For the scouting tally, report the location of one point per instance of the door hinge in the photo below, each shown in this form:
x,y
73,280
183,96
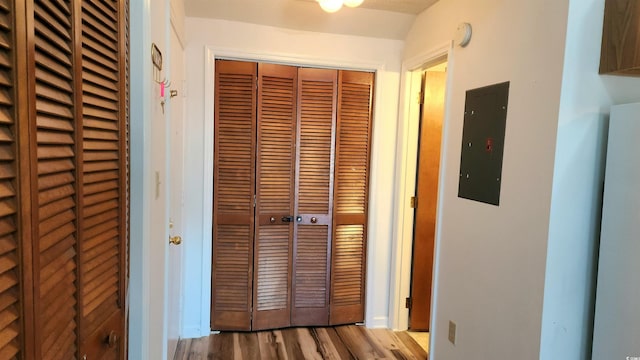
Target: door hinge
x,y
420,98
414,202
254,201
407,303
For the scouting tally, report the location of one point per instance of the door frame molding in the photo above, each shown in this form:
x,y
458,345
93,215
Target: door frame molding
x,y
210,55
405,180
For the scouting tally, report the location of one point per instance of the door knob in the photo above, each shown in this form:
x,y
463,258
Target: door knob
x,y
112,339
314,220
175,240
299,218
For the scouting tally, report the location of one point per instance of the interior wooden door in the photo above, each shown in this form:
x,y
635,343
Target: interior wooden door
x,y
14,295
432,115
351,197
79,176
102,178
63,178
317,98
54,161
234,190
275,176
300,258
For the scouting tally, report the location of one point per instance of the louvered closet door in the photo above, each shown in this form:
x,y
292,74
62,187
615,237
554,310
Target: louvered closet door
x,y
103,180
317,93
275,176
355,98
54,212
11,329
234,189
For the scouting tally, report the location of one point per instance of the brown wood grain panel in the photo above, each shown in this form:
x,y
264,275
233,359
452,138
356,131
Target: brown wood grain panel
x,y
233,199
102,52
317,104
427,195
16,336
620,50
275,177
55,254
351,188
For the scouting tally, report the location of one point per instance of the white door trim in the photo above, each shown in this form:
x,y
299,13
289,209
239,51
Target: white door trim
x,y
406,162
139,239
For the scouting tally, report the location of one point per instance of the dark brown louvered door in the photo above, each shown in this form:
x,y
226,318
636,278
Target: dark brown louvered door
x,y
317,92
11,319
275,175
73,219
233,202
351,190
102,179
53,183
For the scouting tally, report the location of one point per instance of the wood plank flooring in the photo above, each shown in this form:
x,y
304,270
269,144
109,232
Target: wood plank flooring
x,y
326,343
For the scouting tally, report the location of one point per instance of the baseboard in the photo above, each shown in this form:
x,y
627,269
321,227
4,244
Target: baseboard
x,y
190,332
378,322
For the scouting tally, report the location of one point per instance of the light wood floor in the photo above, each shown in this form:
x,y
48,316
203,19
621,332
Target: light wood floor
x,y
331,343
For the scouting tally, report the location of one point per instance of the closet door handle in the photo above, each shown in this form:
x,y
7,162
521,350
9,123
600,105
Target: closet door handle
x,y
287,218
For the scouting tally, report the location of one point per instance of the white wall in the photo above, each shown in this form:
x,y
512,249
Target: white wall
x,y
574,227
490,261
256,42
149,215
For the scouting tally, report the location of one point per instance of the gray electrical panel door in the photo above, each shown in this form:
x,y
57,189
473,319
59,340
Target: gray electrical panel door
x,y
485,116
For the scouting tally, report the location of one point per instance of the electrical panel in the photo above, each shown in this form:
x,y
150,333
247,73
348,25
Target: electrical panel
x,y
485,117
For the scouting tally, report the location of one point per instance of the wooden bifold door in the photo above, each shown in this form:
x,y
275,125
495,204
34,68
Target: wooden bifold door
x,y
63,178
291,173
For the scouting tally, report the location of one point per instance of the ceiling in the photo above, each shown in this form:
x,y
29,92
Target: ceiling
x,y
388,19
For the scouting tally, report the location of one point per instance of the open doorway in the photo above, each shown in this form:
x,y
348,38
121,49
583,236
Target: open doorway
x,y
428,108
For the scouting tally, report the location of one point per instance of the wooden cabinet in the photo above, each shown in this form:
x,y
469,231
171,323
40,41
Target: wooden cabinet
x,y
291,173
620,52
63,179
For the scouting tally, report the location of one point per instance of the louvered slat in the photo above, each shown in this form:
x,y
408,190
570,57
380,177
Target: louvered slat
x,y
275,177
56,237
348,260
355,95
273,287
102,168
311,267
10,326
234,174
317,92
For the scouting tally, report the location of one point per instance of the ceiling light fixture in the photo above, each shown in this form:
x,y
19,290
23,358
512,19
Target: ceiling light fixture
x,y
332,6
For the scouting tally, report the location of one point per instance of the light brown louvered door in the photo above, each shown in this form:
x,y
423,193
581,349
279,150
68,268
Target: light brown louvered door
x,y
53,183
313,196
279,270
351,195
234,189
62,286
275,175
12,328
102,179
